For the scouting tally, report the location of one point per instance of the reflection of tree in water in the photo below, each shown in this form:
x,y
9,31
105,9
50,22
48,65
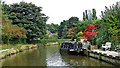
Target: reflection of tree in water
x,y
31,57
76,60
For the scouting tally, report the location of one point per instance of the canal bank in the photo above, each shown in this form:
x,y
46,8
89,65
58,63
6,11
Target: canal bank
x,y
111,57
8,52
49,56
106,56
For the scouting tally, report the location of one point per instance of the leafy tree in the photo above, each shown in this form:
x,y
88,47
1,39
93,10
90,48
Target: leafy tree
x,y
109,26
112,17
82,25
28,16
72,32
65,25
61,28
73,21
84,16
5,7
10,31
94,17
64,32
0,24
87,15
53,28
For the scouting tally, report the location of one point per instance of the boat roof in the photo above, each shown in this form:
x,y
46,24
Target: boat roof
x,y
72,42
68,43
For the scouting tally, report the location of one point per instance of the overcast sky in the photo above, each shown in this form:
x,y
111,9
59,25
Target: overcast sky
x,y
59,10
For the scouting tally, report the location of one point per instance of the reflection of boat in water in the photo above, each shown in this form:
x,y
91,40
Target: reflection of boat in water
x,y
79,60
71,47
74,60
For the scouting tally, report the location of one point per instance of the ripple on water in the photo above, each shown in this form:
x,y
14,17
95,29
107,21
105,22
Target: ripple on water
x,y
55,61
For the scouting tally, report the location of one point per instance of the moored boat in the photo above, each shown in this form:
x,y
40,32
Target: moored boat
x,y
71,47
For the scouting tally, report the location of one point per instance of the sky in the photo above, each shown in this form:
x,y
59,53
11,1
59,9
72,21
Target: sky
x,y
59,10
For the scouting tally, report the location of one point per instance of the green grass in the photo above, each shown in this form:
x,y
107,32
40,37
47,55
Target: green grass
x,y
16,46
6,46
43,42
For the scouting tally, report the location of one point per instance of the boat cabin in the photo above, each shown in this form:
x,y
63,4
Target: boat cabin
x,y
71,47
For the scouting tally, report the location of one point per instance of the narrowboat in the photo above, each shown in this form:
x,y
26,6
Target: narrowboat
x,y
71,47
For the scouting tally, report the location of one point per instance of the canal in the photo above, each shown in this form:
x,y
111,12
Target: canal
x,y
49,56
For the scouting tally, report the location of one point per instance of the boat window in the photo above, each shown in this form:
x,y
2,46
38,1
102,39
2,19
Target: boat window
x,y
79,45
71,46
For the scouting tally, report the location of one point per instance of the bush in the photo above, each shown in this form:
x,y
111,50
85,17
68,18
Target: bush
x,y
61,40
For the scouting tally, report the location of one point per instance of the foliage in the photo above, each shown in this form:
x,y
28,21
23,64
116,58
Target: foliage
x,y
79,34
61,40
73,21
28,16
87,15
47,41
78,38
94,17
72,32
82,25
53,28
99,56
84,16
10,31
65,25
89,33
109,26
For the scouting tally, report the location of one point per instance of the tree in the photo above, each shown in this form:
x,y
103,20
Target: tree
x,y
5,7
94,17
64,32
53,28
109,29
72,32
84,16
28,16
82,25
61,28
65,25
87,15
73,21
10,31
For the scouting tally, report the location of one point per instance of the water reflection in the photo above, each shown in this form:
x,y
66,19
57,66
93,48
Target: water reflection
x,y
32,57
54,58
82,61
49,56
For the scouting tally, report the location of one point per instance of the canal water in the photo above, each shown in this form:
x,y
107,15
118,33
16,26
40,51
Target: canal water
x,y
49,56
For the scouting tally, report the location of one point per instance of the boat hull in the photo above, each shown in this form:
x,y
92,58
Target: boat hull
x,y
71,51
71,48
